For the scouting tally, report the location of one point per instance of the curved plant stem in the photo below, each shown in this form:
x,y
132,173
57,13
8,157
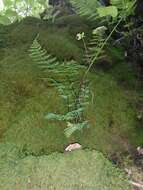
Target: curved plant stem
x,y
99,51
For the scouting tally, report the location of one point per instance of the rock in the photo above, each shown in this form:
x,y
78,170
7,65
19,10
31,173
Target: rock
x,y
140,150
72,147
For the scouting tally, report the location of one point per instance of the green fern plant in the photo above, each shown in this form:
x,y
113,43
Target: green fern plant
x,y
87,8
76,98
49,63
96,43
118,12
65,78
93,9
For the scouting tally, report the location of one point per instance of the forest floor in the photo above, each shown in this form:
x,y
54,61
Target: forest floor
x,y
114,115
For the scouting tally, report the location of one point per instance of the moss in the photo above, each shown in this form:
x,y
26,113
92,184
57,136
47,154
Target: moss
x,y
76,170
112,116
31,131
58,41
60,45
25,99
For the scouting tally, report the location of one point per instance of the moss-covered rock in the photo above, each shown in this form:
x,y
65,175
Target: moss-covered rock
x,y
25,99
59,41
79,170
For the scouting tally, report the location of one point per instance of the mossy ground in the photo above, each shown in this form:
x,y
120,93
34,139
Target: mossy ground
x,y
27,139
86,170
25,99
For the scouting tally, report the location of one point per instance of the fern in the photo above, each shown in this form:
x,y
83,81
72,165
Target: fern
x,y
65,117
72,127
96,43
48,63
116,11
125,7
65,78
91,9
87,8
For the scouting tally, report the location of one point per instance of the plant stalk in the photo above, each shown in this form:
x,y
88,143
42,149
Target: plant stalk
x,y
99,51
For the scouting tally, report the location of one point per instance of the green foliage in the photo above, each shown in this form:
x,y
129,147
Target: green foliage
x,y
93,10
16,9
73,97
67,117
4,20
107,11
72,127
49,64
77,170
96,43
58,41
25,99
102,14
87,8
125,7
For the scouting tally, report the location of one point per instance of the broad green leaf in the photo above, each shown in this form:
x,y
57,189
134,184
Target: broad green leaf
x,y
125,7
4,20
107,11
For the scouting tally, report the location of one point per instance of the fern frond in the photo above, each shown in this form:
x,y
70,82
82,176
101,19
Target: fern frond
x,y
94,10
87,8
47,62
83,97
66,117
40,56
124,6
96,44
72,127
65,78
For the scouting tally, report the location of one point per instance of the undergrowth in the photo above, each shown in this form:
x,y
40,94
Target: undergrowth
x,y
25,100
77,170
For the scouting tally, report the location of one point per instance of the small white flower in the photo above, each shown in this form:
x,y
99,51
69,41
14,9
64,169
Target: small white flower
x,y
80,36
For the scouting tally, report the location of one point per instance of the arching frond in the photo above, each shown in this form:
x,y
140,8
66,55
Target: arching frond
x,y
94,48
65,77
47,62
72,127
87,8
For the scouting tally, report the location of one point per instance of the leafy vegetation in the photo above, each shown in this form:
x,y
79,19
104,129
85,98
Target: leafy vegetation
x,y
73,91
14,10
68,78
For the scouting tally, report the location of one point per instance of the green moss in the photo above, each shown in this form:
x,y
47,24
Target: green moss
x,y
125,74
59,41
75,171
32,132
112,114
25,99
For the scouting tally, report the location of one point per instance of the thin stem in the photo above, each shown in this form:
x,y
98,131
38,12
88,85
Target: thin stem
x,y
86,49
99,51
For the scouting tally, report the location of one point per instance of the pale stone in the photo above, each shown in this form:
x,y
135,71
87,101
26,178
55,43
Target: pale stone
x,y
140,150
72,147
